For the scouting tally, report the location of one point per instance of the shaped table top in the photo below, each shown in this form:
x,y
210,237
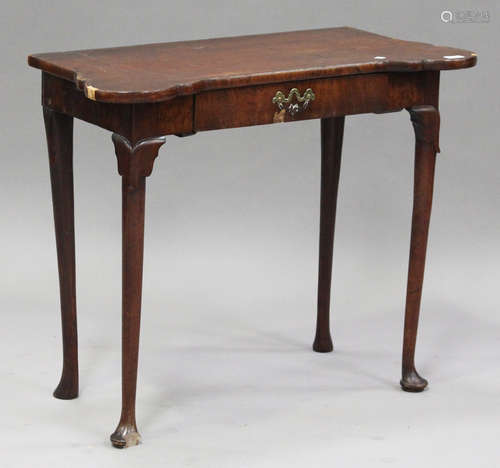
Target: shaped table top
x,y
157,72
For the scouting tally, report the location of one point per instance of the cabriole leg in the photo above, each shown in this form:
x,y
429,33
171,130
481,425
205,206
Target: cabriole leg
x,y
135,163
332,132
59,131
425,120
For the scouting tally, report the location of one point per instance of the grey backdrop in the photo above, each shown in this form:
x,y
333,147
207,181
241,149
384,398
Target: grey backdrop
x,y
227,377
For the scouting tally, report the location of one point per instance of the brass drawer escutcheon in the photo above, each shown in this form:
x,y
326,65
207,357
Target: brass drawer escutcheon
x,y
287,103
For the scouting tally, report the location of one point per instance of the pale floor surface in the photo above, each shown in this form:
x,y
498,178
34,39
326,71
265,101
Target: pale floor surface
x,y
236,392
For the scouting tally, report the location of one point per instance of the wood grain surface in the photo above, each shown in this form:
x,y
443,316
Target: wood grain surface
x,y
156,72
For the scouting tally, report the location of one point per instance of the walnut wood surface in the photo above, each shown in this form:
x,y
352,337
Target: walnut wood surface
x,y
156,72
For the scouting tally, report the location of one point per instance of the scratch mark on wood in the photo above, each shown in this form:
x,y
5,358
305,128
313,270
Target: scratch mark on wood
x,y
279,117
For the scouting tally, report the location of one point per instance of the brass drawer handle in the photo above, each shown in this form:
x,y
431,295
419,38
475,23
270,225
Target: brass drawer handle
x,y
293,108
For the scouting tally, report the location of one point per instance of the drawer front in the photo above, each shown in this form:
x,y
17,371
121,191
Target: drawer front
x,y
345,95
253,105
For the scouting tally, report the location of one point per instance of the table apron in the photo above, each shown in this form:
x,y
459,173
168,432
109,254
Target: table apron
x,y
245,106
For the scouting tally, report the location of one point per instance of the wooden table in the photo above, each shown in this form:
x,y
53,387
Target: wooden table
x,y
143,93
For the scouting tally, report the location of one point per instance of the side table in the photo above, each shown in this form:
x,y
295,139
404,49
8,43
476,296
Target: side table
x,y
146,92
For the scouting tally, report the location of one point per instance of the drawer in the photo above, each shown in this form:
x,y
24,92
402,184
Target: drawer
x,y
345,95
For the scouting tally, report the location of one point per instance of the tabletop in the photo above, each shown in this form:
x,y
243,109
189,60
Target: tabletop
x,y
158,72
